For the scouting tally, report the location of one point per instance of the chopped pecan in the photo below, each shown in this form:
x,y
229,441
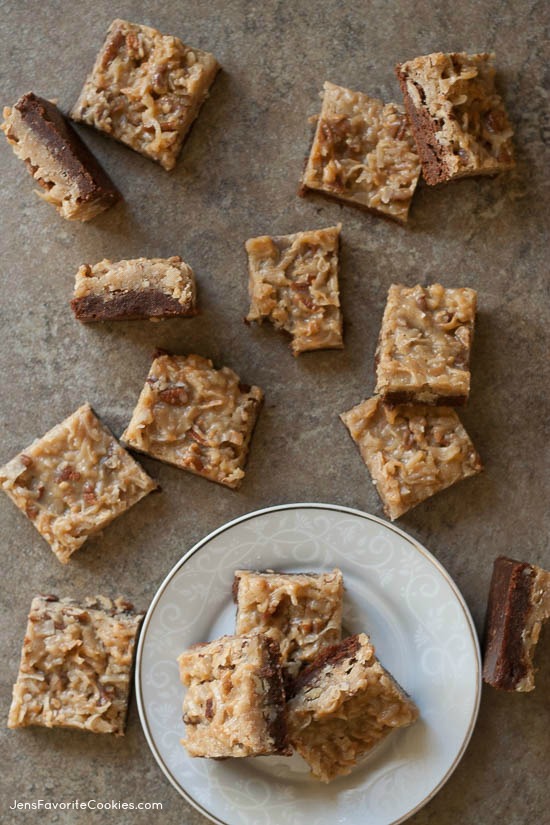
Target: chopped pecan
x,y
26,460
88,494
176,396
68,473
197,436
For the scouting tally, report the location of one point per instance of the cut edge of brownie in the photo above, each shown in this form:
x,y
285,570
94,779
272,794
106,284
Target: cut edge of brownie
x,y
275,699
46,121
131,305
396,399
505,664
430,151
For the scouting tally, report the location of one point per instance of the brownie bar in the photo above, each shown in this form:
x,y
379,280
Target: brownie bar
x,y
425,343
302,612
293,282
363,153
74,481
195,417
57,159
235,704
76,665
146,90
342,705
457,117
130,289
519,602
411,451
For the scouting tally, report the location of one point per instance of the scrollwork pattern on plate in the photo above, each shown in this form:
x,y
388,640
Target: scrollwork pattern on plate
x,y
395,590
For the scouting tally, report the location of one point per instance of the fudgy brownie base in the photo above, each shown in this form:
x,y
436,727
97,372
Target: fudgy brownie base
x,y
519,602
143,288
57,159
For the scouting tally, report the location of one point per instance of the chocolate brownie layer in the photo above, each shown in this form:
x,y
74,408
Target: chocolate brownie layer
x,y
130,305
519,601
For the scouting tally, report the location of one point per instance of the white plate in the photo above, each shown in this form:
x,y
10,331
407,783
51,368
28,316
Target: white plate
x,y
395,591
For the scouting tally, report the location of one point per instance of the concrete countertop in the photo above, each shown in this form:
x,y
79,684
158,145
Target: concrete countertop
x,y
237,177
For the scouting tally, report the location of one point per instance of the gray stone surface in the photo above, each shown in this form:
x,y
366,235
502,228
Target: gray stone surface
x,y
237,177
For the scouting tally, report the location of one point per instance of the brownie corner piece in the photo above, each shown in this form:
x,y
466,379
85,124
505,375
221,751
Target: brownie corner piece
x,y
458,119
142,288
74,481
58,160
302,612
234,704
424,347
145,90
412,451
76,665
518,605
195,417
293,283
363,153
342,705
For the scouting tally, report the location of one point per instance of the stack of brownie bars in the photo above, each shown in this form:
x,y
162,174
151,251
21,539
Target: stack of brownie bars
x,y
287,680
146,90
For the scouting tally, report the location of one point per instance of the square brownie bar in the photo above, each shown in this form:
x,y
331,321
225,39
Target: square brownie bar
x,y
423,353
74,481
456,115
363,153
519,603
342,705
139,288
72,179
235,704
411,451
145,90
302,612
293,282
76,665
195,417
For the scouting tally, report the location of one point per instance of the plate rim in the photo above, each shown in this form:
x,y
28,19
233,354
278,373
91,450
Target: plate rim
x,y
298,506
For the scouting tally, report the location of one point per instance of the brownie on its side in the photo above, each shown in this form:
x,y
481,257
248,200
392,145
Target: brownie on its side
x,y
302,612
76,665
74,481
412,451
72,179
363,153
519,602
146,89
342,705
130,289
457,117
235,704
423,353
293,282
195,417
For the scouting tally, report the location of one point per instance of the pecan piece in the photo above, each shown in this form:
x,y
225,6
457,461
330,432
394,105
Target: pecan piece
x,y
176,396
